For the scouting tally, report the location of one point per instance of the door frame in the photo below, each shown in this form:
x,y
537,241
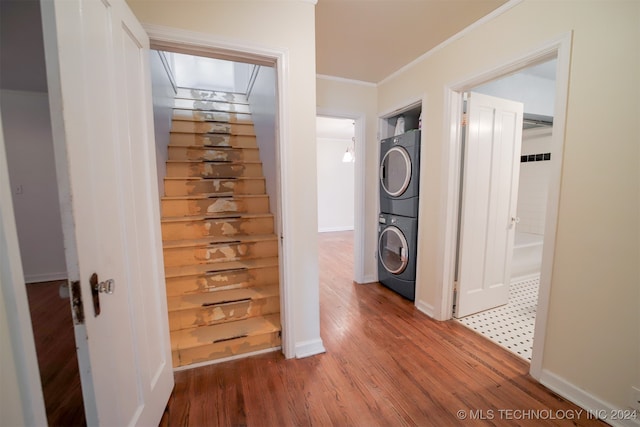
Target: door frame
x,y
560,48
208,45
359,180
20,352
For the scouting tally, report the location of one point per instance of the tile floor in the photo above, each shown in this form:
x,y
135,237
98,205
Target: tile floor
x,y
510,326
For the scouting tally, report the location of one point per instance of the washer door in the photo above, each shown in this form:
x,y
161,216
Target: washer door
x,y
395,171
393,250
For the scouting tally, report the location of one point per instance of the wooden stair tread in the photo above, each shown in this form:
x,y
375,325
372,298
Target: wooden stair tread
x,y
210,105
199,178
215,95
173,219
256,275
199,269
185,114
169,244
214,253
206,127
210,147
208,299
212,140
205,197
215,161
205,335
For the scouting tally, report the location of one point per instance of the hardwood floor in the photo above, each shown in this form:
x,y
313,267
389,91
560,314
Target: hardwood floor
x,y
56,350
386,364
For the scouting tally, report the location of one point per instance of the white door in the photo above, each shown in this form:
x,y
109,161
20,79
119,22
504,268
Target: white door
x,y
97,70
489,199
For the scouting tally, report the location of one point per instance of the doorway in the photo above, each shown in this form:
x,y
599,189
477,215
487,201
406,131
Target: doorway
x,y
336,158
558,49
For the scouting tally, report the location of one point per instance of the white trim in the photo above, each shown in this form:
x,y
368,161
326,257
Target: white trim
x,y
166,38
559,47
370,278
332,229
309,348
595,407
45,277
563,68
359,187
426,308
225,359
344,80
17,308
499,11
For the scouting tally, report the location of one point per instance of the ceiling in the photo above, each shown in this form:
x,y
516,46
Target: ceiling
x,y
368,40
364,40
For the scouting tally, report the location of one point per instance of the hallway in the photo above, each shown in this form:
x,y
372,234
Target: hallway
x,y
386,364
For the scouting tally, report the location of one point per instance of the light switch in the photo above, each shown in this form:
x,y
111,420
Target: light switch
x,y
19,189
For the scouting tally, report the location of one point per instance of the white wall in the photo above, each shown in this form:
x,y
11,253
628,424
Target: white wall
x,y
163,95
533,187
264,107
335,186
594,306
209,73
27,132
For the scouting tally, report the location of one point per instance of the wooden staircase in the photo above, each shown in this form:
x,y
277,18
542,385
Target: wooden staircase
x,y
220,250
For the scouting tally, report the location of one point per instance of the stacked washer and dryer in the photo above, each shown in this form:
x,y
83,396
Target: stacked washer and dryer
x,y
398,220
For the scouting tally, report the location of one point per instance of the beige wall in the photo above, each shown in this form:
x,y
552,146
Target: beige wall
x,y
284,26
592,338
349,99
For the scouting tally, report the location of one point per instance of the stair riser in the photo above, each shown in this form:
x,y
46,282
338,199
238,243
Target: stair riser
x,y
213,170
229,312
224,349
213,140
211,127
214,186
215,206
175,257
215,154
203,335
222,280
216,227
207,95
210,106
211,116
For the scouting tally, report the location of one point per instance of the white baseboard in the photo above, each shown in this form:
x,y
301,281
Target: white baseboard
x,y
309,348
45,277
330,229
427,309
368,279
595,407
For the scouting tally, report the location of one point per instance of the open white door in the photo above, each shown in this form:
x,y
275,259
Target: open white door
x,y
97,70
488,212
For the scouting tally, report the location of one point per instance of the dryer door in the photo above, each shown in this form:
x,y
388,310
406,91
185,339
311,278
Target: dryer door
x,y
395,171
393,250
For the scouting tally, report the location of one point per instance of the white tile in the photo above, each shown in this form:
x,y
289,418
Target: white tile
x,y
510,326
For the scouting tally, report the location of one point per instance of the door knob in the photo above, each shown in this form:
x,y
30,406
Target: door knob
x,y
98,287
